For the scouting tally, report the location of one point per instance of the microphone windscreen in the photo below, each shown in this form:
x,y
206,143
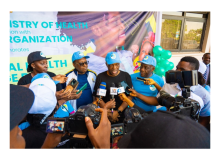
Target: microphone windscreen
x,y
113,85
119,84
102,85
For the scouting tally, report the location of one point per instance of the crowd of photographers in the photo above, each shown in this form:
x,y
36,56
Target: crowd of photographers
x,y
113,109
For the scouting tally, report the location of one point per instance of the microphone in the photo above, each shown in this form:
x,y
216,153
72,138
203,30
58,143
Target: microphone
x,y
123,97
113,91
101,91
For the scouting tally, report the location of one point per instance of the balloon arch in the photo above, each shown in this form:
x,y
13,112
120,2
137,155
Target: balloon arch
x,y
163,65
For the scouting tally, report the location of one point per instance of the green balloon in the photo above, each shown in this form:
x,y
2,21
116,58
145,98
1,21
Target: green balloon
x,y
156,69
166,54
158,58
157,50
171,65
164,63
160,71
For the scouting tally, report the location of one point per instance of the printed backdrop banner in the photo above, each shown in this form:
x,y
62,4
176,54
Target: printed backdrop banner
x,y
59,34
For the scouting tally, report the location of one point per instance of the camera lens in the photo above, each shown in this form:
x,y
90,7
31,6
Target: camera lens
x,y
166,99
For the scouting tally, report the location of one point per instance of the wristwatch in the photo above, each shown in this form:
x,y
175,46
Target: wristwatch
x,y
119,112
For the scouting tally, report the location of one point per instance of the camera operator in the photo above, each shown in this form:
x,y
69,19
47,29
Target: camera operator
x,y
198,92
164,129
187,64
150,87
21,100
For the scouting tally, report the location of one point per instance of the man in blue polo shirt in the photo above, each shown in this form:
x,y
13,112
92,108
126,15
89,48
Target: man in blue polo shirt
x,y
150,87
83,75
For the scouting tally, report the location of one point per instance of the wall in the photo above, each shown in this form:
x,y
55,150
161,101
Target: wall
x,y
176,56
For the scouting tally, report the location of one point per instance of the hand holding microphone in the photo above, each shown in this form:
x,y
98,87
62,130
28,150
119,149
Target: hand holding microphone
x,y
101,92
122,95
113,92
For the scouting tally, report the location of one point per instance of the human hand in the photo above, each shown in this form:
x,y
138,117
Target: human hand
x,y
73,95
68,89
99,102
149,81
61,78
60,94
52,140
133,92
109,115
110,104
99,137
115,116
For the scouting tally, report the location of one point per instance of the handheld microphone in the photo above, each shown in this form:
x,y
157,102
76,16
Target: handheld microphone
x,y
124,98
121,91
101,91
113,91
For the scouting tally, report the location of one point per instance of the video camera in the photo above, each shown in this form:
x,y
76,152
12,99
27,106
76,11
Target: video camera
x,y
131,120
181,104
75,123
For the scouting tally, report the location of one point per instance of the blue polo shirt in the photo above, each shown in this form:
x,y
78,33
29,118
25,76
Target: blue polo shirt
x,y
86,97
147,90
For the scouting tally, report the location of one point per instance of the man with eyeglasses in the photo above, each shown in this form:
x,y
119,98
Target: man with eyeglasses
x,y
83,75
113,75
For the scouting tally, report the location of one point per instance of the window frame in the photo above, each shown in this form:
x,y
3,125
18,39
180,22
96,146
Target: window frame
x,y
184,18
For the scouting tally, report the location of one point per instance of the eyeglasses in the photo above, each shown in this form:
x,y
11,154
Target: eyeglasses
x,y
82,64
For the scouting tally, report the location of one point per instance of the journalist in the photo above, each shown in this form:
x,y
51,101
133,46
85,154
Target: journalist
x,y
164,129
21,101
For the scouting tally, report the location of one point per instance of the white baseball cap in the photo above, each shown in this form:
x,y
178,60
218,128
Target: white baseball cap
x,y
46,82
45,100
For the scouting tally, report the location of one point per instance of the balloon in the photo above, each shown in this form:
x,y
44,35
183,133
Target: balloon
x,y
171,65
158,59
157,50
164,63
160,71
166,54
156,69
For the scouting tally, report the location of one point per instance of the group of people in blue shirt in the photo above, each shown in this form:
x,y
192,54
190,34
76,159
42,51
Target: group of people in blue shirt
x,y
144,93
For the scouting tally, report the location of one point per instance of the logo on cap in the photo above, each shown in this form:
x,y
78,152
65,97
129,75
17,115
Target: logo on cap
x,y
81,54
41,54
113,56
146,58
64,107
45,76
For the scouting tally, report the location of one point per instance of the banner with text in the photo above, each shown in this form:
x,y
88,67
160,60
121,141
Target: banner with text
x,y
59,34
